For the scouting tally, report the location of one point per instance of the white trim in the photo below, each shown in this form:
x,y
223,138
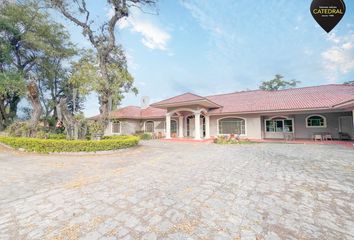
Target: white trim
x,y
153,122
279,118
217,125
316,115
120,127
182,109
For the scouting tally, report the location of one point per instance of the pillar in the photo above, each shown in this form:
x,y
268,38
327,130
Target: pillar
x,y
180,126
197,126
168,126
207,127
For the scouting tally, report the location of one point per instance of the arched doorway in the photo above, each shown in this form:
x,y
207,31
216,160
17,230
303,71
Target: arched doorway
x,y
190,122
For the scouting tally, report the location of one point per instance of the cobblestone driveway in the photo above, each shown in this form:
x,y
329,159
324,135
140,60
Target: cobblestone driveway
x,y
166,190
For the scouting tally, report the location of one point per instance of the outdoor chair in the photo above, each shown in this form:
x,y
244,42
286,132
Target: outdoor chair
x,y
327,137
317,137
288,137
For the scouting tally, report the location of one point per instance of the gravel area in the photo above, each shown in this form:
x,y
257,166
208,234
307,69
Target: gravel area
x,y
168,190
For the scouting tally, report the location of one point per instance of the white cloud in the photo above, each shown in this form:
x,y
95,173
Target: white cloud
x,y
347,45
153,36
338,60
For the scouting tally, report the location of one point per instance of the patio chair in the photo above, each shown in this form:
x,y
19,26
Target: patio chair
x,y
289,136
327,137
317,137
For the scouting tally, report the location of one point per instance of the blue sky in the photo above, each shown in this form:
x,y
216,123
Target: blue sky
x,y
209,47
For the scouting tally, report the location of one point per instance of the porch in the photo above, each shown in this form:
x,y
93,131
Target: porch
x,y
313,126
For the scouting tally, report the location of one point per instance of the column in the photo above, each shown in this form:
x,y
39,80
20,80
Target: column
x,y
168,126
207,127
197,126
180,126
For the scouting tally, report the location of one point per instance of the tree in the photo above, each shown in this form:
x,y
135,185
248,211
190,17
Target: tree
x,y
103,41
11,80
349,82
11,88
32,36
86,75
278,83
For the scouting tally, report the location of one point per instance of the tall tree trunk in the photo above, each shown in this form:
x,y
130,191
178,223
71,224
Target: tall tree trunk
x,y
3,115
33,94
105,96
70,124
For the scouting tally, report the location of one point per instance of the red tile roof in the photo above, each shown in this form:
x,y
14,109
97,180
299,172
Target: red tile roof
x,y
325,96
307,98
185,97
134,112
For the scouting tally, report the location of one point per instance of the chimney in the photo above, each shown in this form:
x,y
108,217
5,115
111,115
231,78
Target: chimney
x,y
144,102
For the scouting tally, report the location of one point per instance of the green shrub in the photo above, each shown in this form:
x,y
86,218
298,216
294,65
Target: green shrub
x,y
18,129
116,137
54,145
144,136
42,134
56,136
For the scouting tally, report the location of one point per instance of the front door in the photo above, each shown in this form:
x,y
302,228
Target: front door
x,y
190,126
346,125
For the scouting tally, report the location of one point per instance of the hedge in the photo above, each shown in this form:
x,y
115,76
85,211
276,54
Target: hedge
x,y
116,137
53,145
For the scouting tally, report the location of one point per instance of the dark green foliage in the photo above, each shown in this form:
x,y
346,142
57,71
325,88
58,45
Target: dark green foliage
x,y
50,145
278,83
349,82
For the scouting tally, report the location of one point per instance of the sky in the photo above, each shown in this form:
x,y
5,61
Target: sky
x,y
210,47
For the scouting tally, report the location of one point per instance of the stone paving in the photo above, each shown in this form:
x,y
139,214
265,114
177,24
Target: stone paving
x,y
164,190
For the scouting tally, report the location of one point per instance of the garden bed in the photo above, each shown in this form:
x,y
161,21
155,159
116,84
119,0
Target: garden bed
x,y
61,145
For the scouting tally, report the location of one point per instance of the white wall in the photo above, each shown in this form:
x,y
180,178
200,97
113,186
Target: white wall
x,y
253,125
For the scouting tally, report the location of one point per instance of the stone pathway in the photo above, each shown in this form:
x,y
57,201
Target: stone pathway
x,y
164,190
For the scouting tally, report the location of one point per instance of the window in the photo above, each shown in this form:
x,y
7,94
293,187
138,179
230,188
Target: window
x,y
173,126
232,126
115,126
315,121
149,126
279,125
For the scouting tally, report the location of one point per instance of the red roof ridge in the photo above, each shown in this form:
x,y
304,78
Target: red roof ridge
x,y
242,91
280,90
179,96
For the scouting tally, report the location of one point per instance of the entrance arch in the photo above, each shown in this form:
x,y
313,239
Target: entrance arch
x,y
186,125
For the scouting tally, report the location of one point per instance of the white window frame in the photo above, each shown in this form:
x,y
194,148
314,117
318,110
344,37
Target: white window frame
x,y
153,126
120,126
316,115
279,119
223,134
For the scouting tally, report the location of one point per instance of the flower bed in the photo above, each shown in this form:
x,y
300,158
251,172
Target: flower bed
x,y
231,140
61,145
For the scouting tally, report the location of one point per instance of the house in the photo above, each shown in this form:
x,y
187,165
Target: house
x,y
258,114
